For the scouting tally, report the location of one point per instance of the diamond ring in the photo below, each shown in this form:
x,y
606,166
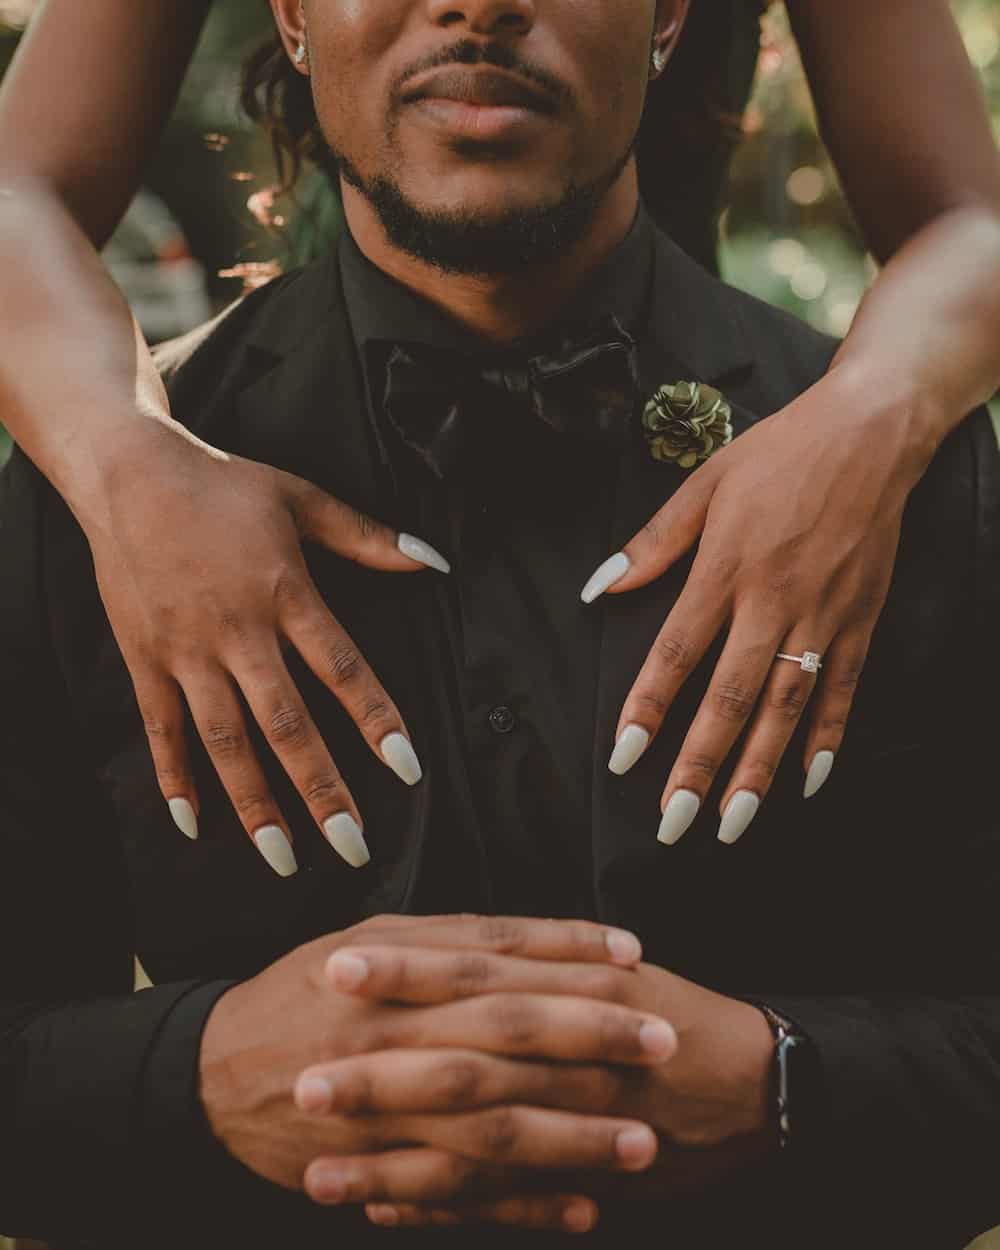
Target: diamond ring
x,y
810,662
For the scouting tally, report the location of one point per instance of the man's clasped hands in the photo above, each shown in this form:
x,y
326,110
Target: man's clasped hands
x,y
460,1068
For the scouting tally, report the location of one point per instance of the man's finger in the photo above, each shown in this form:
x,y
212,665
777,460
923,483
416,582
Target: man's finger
x,y
335,659
534,1137
418,1175
567,1213
418,975
163,720
356,536
395,1082
660,543
546,1027
562,941
218,718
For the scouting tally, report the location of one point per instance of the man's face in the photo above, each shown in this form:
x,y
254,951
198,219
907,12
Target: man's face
x,y
475,115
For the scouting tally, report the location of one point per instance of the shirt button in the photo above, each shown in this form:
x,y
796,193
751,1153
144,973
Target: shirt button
x,y
502,720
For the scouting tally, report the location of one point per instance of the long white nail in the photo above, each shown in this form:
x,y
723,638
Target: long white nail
x,y
398,753
740,811
184,818
819,771
346,838
277,850
678,816
423,553
611,571
632,742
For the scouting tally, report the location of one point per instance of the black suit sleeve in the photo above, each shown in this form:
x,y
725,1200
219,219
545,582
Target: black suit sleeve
x,y
83,1136
900,1115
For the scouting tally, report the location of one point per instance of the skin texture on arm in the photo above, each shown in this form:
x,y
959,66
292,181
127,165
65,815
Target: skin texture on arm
x,y
907,128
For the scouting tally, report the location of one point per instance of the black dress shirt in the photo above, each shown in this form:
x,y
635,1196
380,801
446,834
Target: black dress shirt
x,y
524,524
866,916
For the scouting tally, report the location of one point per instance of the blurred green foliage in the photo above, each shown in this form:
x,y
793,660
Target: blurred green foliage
x,y
788,235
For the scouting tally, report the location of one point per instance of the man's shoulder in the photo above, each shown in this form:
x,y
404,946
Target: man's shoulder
x,y
227,354
725,330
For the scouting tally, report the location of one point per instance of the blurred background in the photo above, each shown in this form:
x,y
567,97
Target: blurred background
x,y
207,222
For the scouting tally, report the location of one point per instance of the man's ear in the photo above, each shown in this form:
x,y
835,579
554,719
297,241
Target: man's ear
x,y
290,18
670,18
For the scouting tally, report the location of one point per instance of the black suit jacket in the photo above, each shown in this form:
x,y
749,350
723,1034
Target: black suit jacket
x,y
866,915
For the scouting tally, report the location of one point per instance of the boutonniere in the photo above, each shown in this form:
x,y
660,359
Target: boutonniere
x,y
686,422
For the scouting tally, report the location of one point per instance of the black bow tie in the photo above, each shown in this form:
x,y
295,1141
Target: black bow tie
x,y
587,384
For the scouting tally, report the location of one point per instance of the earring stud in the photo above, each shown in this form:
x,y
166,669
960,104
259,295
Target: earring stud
x,y
659,60
300,54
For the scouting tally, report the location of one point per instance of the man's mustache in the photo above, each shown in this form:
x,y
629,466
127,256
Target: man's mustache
x,y
499,55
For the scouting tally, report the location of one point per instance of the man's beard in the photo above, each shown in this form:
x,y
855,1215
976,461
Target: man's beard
x,y
476,244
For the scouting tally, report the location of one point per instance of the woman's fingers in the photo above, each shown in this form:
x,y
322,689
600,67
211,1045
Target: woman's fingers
x,y
832,704
786,693
162,713
218,718
686,635
567,1213
291,734
323,519
661,542
401,1082
332,655
735,685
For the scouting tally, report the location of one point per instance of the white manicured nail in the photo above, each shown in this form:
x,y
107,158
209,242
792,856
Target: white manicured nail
x,y
277,850
611,571
740,811
632,742
819,771
347,840
184,818
423,553
678,816
398,753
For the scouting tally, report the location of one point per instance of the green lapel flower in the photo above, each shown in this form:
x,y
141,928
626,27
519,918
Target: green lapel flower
x,y
687,422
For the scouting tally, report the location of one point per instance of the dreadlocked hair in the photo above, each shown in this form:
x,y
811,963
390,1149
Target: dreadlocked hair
x,y
279,99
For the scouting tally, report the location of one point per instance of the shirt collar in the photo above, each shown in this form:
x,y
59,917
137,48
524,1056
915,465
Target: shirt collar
x,y
382,309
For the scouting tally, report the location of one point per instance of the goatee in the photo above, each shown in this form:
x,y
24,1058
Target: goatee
x,y
478,244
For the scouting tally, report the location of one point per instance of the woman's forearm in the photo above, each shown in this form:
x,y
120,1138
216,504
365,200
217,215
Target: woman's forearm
x,y
929,328
77,382
87,95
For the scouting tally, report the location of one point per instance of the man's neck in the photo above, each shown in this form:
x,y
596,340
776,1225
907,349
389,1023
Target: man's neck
x,y
501,307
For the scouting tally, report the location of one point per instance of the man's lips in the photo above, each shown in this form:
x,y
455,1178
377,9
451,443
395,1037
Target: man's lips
x,y
478,87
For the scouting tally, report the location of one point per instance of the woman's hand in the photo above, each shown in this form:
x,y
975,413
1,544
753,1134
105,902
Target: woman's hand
x,y
202,575
797,525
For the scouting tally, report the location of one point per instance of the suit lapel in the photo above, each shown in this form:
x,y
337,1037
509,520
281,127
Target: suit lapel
x,y
694,335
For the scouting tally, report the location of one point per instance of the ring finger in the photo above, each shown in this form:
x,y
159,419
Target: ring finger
x,y
783,700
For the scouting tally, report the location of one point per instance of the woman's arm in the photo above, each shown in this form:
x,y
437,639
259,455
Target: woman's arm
x,y
78,389
87,95
809,569
80,109
904,120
